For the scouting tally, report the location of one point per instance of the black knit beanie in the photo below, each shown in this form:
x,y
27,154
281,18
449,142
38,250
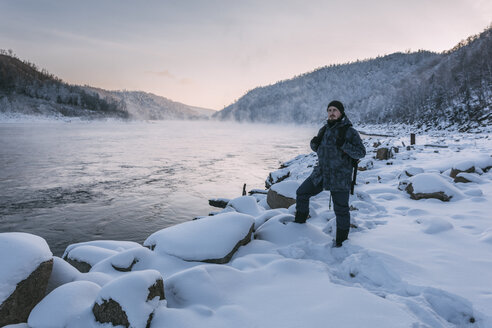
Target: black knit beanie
x,y
338,105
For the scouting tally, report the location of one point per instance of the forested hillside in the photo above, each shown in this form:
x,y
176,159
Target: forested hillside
x,y
454,87
27,90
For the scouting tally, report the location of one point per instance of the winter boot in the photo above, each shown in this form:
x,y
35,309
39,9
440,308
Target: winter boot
x,y
342,235
301,217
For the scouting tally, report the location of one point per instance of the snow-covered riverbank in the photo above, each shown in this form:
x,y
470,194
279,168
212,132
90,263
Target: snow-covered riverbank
x,y
407,263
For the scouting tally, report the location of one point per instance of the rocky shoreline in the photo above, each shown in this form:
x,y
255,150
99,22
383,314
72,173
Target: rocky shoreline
x,y
132,285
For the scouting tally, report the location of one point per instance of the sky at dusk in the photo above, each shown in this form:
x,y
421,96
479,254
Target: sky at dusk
x,y
209,53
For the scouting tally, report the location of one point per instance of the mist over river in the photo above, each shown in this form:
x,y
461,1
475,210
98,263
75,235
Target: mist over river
x,y
78,181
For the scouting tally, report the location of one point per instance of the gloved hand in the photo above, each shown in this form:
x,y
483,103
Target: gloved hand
x,y
316,140
315,143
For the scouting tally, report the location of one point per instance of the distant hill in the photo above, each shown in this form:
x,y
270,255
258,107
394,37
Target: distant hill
x,y
26,90
454,87
147,106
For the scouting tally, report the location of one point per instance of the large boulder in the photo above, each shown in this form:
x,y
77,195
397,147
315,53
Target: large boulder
x,y
431,185
25,269
64,305
213,239
130,300
282,194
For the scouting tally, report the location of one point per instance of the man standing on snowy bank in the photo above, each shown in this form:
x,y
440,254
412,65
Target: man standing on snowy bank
x,y
337,144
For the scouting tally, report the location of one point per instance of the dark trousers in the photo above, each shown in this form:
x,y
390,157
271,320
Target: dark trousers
x,y
340,202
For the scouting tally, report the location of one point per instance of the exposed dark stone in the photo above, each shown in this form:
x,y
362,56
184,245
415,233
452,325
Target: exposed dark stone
x,y
228,257
149,321
127,269
454,172
437,195
409,173
221,203
111,312
461,179
270,181
29,292
258,191
276,200
383,153
79,265
402,185
156,289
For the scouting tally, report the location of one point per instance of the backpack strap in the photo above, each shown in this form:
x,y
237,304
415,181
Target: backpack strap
x,y
354,162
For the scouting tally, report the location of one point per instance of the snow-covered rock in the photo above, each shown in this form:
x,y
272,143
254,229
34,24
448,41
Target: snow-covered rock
x,y
463,166
65,305
431,185
130,299
25,267
246,205
212,239
468,177
267,215
282,194
411,171
61,274
365,164
86,254
484,162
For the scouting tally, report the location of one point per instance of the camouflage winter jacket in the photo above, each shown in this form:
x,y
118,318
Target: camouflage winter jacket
x,y
335,153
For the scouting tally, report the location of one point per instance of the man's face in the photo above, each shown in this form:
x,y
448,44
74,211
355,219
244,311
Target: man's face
x,y
333,113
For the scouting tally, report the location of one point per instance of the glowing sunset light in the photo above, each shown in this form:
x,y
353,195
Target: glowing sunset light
x,y
209,53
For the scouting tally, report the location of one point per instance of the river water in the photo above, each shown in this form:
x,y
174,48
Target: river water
x,y
78,181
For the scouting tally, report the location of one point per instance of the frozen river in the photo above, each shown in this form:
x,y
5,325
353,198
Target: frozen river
x,y
80,181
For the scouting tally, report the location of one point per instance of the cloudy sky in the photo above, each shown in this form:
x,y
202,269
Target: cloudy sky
x,y
208,53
